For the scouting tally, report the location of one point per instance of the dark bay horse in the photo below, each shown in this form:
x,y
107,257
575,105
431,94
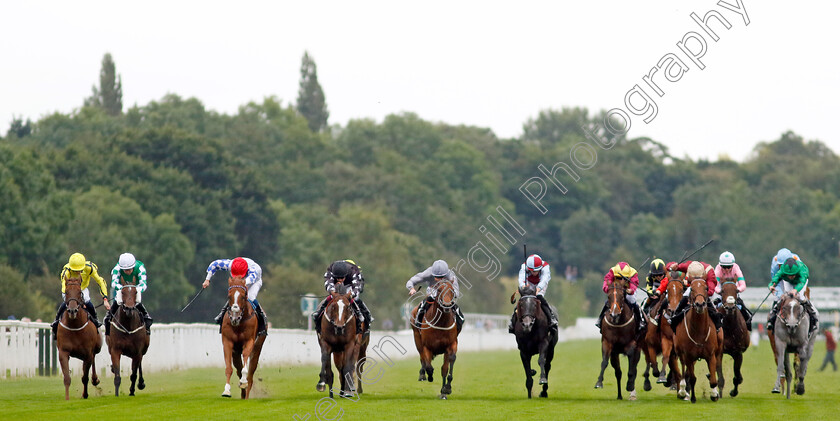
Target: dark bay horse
x,y
696,338
534,336
792,326
339,338
618,336
662,340
772,338
438,336
77,337
736,338
128,337
241,345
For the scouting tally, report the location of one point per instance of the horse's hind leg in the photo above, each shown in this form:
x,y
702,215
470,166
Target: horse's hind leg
x,y
616,365
115,368
800,373
446,373
142,384
633,361
529,373
135,364
228,347
427,371
605,354
712,362
738,359
63,359
326,369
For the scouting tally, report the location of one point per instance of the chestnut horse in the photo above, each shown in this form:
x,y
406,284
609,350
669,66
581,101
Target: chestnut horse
x,y
661,340
340,338
534,336
77,337
128,337
241,345
438,336
618,336
772,338
695,338
736,338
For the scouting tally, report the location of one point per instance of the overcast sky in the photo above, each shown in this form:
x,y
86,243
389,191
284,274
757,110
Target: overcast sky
x,y
479,63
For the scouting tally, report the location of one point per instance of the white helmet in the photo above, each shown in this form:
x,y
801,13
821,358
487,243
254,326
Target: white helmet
x,y
696,270
727,259
127,261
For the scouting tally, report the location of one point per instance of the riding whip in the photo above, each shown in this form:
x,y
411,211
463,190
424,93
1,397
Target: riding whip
x,y
762,301
695,251
525,254
191,301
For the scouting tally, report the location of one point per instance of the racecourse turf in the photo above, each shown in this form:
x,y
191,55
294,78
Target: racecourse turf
x,y
486,386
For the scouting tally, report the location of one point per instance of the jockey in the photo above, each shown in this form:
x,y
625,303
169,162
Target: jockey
x,y
696,270
779,259
728,269
653,282
77,266
437,272
128,271
794,277
623,270
663,287
536,271
241,266
345,272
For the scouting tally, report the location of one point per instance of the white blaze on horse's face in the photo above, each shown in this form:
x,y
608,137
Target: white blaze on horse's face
x,y
340,309
235,306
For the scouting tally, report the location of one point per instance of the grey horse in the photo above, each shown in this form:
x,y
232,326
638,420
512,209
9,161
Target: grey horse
x,y
792,326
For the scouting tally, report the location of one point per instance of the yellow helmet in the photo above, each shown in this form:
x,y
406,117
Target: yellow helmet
x,y
625,272
77,261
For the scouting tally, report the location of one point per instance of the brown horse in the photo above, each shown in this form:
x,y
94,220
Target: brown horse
x,y
695,338
239,338
534,336
128,337
661,340
736,338
438,336
618,336
77,337
772,338
340,338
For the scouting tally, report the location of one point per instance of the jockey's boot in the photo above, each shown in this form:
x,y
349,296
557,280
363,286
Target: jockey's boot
x,y
552,318
92,312
58,314
221,315
642,325
771,318
363,308
418,321
108,316
745,312
262,321
459,318
717,318
512,322
812,313
316,315
679,312
146,318
601,316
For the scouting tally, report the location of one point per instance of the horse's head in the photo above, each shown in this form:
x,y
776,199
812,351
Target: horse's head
x,y
791,313
237,299
128,293
728,294
73,296
674,289
615,299
446,296
338,311
526,308
698,295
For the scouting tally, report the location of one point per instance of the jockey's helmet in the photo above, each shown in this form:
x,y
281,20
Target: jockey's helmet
x,y
790,267
625,271
534,263
77,261
727,259
657,267
127,261
696,270
340,269
440,269
238,267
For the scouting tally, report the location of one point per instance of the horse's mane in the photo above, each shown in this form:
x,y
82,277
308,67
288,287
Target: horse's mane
x,y
527,290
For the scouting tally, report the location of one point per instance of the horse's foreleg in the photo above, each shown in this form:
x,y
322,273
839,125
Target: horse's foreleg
x,y
427,371
712,363
63,359
115,368
135,365
667,348
326,369
616,365
802,369
606,348
85,376
228,350
253,361
338,360
737,360
692,378
633,358
246,356
446,371
94,375
780,366
529,373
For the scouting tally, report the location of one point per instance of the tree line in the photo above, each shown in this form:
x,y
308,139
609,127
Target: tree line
x,y
179,186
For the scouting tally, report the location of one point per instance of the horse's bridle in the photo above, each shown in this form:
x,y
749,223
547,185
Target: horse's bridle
x,y
238,317
445,307
793,328
615,291
728,310
336,327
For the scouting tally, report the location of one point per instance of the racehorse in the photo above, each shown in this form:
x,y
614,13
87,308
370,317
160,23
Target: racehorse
x,y
128,337
618,336
771,337
695,338
534,336
662,342
792,326
77,337
340,338
241,345
438,336
736,338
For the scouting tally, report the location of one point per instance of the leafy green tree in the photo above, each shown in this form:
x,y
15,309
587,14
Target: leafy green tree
x,y
19,129
109,94
311,102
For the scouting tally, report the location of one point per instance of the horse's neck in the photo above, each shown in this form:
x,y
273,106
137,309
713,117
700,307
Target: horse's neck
x,y
698,323
125,319
443,318
81,317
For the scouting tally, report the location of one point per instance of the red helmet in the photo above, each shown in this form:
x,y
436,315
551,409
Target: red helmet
x,y
239,267
534,262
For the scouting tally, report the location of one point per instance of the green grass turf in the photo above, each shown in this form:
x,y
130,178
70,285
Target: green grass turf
x,y
486,386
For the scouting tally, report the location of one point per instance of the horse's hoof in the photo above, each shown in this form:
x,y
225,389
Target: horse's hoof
x,y
543,394
543,380
599,385
672,387
341,394
647,385
95,381
130,393
243,384
681,394
632,396
141,386
533,372
800,389
693,399
733,393
421,379
321,387
442,396
775,390
226,393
